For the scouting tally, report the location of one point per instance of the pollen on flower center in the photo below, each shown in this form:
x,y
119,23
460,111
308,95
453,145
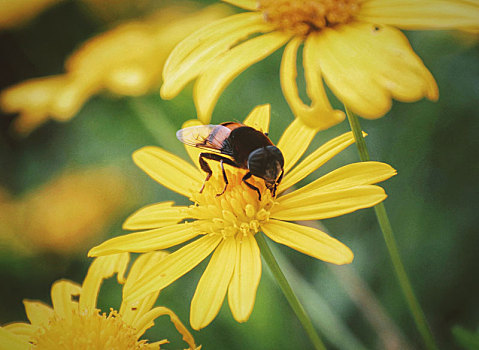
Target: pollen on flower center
x,y
88,331
302,17
238,211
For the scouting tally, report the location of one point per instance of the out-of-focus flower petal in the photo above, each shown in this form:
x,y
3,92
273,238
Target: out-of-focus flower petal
x,y
319,115
16,12
367,65
244,4
424,14
217,76
193,55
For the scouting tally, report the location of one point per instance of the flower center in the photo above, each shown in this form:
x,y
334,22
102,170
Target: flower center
x,y
96,332
237,211
302,17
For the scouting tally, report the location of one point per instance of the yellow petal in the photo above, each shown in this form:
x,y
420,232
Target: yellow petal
x,y
420,15
23,330
366,65
224,69
63,302
251,5
32,99
319,115
316,159
195,53
309,241
147,241
259,118
132,312
351,175
171,267
10,341
322,205
294,142
169,170
211,289
246,277
100,269
38,313
154,216
147,321
191,42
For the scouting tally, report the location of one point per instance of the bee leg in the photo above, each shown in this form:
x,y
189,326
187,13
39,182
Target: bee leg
x,y
206,168
277,183
246,177
224,177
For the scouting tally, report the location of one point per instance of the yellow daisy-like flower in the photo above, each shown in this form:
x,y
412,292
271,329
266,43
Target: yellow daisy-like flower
x,y
81,205
74,322
227,224
352,44
126,60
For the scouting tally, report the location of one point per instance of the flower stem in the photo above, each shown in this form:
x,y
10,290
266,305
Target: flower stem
x,y
388,235
288,292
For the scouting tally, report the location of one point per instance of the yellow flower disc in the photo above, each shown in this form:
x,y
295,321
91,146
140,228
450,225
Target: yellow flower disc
x,y
236,211
88,331
301,17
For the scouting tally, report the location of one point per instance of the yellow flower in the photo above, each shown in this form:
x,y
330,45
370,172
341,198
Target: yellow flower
x,y
74,322
227,224
68,213
352,44
126,60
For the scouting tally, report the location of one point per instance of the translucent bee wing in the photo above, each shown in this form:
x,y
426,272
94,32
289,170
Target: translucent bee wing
x,y
209,137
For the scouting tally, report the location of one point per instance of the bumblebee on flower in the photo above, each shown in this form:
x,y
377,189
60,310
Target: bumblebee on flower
x,y
226,224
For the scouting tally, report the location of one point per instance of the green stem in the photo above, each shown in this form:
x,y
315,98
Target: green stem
x,y
288,292
388,235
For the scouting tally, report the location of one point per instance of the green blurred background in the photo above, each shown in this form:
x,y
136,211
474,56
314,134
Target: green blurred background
x,y
433,201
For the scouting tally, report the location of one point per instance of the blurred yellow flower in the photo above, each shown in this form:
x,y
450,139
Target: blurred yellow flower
x,y
126,60
75,322
67,214
17,12
353,45
228,223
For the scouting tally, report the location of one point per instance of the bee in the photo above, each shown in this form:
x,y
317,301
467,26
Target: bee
x,y
240,146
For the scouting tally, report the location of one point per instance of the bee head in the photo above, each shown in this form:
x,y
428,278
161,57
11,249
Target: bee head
x,y
267,163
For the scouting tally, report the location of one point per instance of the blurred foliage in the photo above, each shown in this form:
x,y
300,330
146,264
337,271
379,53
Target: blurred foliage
x,y
467,339
432,202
